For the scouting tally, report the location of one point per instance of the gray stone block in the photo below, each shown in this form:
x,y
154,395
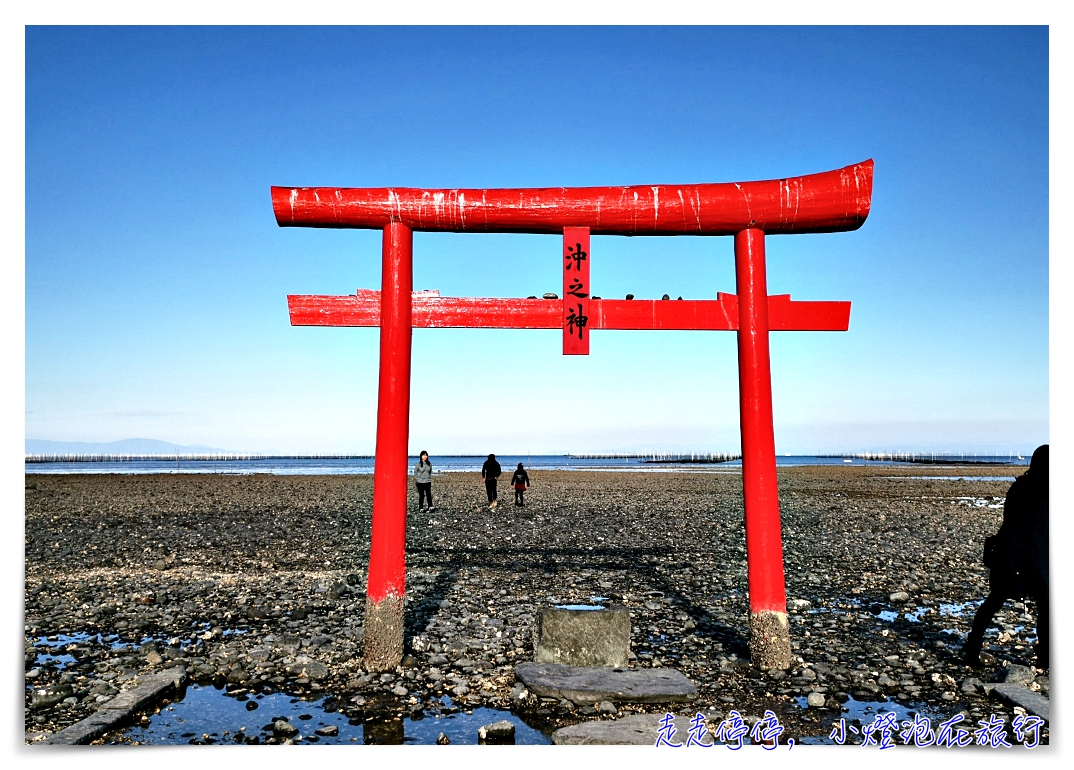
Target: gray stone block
x,y
116,711
584,637
593,684
1017,695
633,730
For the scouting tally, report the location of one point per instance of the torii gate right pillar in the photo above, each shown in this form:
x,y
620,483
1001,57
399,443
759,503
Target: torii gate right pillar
x,y
770,639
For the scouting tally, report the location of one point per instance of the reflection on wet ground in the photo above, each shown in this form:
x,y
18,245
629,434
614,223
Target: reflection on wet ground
x,y
980,502
953,478
859,713
205,715
61,646
915,614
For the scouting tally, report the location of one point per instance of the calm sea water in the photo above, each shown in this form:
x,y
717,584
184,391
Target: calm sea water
x,y
447,464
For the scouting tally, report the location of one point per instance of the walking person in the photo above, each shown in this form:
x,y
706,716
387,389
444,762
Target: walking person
x,y
1017,558
521,482
490,471
423,479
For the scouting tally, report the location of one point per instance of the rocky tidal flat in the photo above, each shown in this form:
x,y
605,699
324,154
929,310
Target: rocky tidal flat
x,y
255,584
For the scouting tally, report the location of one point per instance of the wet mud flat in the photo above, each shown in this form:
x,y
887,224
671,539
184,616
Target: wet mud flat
x,y
256,585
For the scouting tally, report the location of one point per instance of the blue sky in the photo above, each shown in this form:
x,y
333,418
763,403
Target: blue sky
x,y
156,276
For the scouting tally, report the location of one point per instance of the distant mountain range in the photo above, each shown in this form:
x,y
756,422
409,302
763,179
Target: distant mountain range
x,y
127,446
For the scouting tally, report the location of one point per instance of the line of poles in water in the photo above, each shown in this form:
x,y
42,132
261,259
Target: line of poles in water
x,y
933,457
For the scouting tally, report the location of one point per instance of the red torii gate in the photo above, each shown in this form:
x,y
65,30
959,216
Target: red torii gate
x,y
828,202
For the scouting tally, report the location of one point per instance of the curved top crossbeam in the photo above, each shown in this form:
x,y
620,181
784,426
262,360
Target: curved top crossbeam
x,y
818,203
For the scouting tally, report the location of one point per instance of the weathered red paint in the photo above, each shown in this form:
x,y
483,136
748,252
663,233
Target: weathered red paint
x,y
430,310
831,201
387,549
764,549
828,202
576,264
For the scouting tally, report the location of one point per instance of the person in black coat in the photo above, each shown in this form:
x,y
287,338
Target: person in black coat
x,y
490,471
1017,558
521,482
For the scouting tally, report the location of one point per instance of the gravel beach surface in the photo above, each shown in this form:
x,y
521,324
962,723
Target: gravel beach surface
x,y
256,584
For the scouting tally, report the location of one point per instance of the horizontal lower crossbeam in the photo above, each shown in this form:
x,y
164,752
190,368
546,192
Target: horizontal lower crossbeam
x,y
430,310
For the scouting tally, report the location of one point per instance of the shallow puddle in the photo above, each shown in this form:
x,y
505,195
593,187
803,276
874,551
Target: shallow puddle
x,y
59,658
960,608
207,715
57,645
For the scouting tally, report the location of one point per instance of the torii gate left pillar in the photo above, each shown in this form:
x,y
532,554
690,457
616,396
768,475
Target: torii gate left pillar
x,y
386,584
828,202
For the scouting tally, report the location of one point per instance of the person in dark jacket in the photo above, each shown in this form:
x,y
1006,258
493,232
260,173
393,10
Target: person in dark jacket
x,y
521,482
423,479
1017,558
490,471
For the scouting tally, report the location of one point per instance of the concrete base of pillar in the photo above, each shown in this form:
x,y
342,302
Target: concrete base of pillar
x,y
384,633
770,640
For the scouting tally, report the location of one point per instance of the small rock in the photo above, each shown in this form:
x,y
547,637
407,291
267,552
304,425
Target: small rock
x,y
1019,675
498,732
327,731
970,685
519,693
799,605
399,690
550,295
308,667
284,728
607,707
442,740
460,690
815,700
899,597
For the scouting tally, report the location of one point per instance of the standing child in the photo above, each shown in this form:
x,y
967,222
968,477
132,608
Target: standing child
x,y
423,478
521,482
